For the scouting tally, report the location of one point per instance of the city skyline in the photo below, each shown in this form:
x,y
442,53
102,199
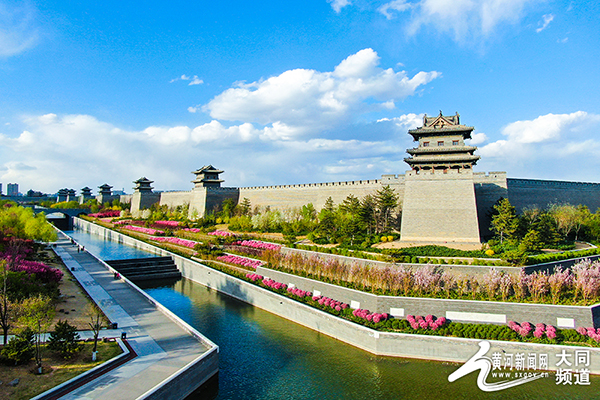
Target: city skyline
x,y
291,93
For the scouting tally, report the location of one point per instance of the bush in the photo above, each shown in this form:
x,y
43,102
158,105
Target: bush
x,y
64,340
20,348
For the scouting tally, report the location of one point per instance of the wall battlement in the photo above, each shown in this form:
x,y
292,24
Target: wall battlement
x,y
312,185
549,184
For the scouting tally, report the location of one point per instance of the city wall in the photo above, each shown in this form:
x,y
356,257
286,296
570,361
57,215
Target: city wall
x,y
524,193
295,196
380,343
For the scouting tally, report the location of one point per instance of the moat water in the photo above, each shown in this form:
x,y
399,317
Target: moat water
x,y
263,356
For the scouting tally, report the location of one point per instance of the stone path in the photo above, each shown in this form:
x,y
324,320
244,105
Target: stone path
x,y
162,346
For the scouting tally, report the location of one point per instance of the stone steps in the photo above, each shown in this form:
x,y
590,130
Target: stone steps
x,y
145,269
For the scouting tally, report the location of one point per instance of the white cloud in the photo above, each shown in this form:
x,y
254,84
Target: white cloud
x,y
477,139
547,18
396,5
465,20
18,28
553,146
194,80
55,151
306,101
405,122
337,5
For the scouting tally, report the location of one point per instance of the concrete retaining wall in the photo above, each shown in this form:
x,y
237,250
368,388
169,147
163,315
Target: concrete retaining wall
x,y
381,343
457,310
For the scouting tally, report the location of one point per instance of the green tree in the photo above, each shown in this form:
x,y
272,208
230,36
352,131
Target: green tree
x,y
531,242
368,213
96,323
20,348
245,207
36,313
7,307
504,221
64,340
327,222
387,202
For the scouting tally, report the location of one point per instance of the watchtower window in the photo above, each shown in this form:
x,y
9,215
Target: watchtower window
x,y
425,144
455,143
441,143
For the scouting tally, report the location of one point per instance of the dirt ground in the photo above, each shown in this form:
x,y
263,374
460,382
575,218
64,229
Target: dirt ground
x,y
74,302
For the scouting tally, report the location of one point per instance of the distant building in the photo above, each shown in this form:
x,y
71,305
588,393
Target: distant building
x,y
34,193
12,190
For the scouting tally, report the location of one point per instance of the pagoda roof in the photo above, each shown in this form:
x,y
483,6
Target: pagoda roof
x,y
143,180
105,186
207,168
441,125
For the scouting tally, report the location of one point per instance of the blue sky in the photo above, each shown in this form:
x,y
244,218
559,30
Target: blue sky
x,y
291,92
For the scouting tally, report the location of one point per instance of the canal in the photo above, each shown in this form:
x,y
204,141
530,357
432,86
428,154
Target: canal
x,y
263,356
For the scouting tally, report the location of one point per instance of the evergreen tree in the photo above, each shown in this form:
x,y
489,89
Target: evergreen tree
x,y
387,201
505,222
63,339
327,220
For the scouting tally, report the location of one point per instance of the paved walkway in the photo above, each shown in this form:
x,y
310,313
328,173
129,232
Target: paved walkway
x,y
162,346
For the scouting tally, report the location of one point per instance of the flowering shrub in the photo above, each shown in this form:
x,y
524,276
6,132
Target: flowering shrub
x,y
371,317
254,277
194,230
274,284
257,244
331,303
540,329
299,292
590,332
147,231
166,224
429,322
174,240
104,214
43,272
221,233
246,262
122,222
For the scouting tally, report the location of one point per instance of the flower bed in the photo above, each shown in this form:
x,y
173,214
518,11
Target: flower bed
x,y
174,240
243,261
104,214
257,244
43,272
221,233
147,231
193,230
166,224
429,322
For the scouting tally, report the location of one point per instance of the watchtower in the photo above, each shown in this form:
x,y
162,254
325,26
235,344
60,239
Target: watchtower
x,y
143,197
439,204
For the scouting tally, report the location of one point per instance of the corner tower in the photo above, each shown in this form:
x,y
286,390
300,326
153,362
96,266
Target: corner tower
x,y
439,204
441,145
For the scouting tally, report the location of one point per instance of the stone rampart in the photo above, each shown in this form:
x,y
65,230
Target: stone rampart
x,y
295,196
524,193
174,199
440,207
